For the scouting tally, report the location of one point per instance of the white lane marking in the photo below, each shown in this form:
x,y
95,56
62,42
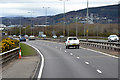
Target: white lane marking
x,y
101,53
65,51
78,57
60,48
71,54
42,62
99,71
87,63
56,47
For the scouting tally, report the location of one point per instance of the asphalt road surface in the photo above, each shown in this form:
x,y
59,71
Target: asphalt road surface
x,y
74,63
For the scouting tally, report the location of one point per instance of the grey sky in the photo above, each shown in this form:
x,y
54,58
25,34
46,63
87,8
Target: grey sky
x,y
22,7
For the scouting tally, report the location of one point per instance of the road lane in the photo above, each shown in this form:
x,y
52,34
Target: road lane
x,y
61,64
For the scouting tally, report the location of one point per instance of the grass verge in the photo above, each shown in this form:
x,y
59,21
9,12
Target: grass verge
x,y
27,50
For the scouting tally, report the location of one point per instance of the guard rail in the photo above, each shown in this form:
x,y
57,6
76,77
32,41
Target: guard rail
x,y
7,56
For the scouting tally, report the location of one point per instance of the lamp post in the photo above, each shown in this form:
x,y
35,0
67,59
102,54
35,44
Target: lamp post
x,y
68,28
76,26
46,11
64,15
31,22
20,25
87,23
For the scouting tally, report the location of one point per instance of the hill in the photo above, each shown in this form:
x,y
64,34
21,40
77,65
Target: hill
x,y
104,15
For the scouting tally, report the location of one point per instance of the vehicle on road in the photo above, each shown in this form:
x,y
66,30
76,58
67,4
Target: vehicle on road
x,y
31,37
14,36
43,36
10,36
22,38
26,36
54,36
72,42
61,36
112,38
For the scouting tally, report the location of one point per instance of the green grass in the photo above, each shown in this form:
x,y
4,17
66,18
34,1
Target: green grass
x,y
27,50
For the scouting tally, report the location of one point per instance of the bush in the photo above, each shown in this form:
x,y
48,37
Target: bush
x,y
8,44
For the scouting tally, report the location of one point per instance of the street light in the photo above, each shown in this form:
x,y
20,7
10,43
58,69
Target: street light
x,y
76,26
46,8
64,15
20,25
87,23
31,22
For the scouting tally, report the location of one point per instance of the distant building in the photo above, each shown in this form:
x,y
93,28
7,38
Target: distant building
x,y
41,25
2,26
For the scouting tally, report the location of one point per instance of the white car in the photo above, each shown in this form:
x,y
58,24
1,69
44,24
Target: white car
x,y
43,36
31,38
54,36
72,42
26,36
113,38
61,36
14,36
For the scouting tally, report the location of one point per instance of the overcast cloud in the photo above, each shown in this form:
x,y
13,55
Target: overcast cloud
x,y
22,7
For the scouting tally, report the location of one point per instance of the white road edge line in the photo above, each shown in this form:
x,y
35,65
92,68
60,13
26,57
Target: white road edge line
x,y
42,62
101,53
99,71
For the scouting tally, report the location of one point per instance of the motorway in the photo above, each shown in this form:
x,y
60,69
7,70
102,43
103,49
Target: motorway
x,y
74,63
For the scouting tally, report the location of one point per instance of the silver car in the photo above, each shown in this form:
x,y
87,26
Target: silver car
x,y
113,38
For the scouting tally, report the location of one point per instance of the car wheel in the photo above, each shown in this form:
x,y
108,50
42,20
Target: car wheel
x,y
78,46
66,47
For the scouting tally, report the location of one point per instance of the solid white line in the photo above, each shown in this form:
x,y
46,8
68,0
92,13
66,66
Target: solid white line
x,y
42,62
99,71
101,53
87,63
65,51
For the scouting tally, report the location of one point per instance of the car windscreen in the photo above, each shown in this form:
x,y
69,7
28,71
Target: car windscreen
x,y
113,36
22,37
72,38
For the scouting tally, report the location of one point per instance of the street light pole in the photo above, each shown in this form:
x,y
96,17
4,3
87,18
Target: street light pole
x,y
87,23
46,8
31,22
76,26
20,25
64,16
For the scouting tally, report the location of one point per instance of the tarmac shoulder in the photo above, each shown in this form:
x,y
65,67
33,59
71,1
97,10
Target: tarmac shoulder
x,y
21,68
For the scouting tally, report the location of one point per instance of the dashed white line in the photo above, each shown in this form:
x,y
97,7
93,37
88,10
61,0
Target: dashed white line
x,y
71,54
65,51
87,63
99,71
78,57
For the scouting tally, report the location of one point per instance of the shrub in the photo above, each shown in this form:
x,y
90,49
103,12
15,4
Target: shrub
x,y
8,44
